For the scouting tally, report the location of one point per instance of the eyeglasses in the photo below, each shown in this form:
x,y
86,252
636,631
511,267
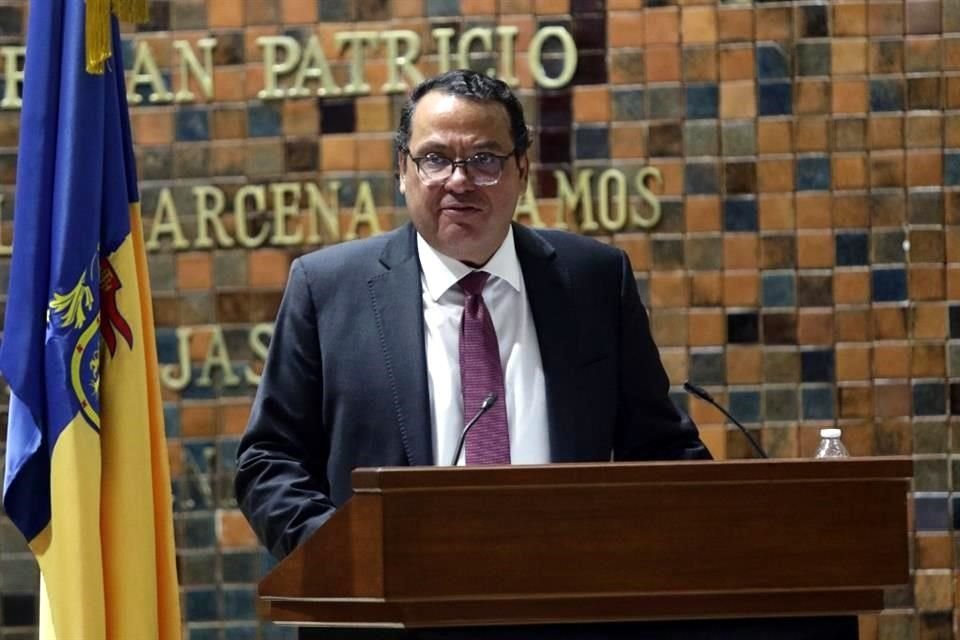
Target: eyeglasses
x,y
483,169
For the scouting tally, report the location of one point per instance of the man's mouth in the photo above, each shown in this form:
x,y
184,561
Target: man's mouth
x,y
459,209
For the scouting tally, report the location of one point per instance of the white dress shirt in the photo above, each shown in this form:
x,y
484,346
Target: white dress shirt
x,y
506,298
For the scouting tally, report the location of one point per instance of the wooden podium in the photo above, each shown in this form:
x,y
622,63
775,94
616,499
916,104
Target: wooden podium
x,y
447,547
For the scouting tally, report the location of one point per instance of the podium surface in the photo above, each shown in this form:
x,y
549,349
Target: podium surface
x,y
444,547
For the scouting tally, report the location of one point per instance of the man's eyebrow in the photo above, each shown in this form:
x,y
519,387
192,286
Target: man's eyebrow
x,y
435,146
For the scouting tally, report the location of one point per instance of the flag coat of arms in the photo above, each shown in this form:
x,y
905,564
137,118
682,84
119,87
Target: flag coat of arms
x,y
86,478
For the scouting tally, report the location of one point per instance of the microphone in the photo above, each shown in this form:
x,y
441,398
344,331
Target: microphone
x,y
488,402
691,388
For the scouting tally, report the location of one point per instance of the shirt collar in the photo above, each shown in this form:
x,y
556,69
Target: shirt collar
x,y
442,272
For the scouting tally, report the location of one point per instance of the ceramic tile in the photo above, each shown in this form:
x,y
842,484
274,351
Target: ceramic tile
x,y
923,17
592,143
192,124
773,62
813,58
781,404
852,249
774,23
813,174
817,403
743,327
774,98
929,398
814,290
591,68
627,66
665,140
745,405
778,251
889,285
923,93
628,104
740,177
931,513
849,19
812,21
740,214
779,328
699,64
923,53
706,368
817,365
886,95
703,254
338,117
437,8
702,101
930,475
778,289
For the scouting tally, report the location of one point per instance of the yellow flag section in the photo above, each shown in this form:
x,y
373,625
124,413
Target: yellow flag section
x,y
121,585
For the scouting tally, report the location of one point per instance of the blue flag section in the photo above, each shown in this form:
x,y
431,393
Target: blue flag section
x,y
87,478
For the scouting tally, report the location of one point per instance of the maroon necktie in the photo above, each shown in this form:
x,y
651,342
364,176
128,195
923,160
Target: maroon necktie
x,y
488,441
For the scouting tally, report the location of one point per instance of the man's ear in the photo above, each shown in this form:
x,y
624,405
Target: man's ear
x,y
401,170
523,164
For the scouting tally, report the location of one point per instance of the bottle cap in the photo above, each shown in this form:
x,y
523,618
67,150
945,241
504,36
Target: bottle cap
x,y
830,433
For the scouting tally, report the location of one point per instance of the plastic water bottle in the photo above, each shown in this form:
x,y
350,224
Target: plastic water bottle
x,y
830,445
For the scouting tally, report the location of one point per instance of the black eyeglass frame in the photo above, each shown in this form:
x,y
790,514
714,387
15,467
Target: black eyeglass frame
x,y
459,163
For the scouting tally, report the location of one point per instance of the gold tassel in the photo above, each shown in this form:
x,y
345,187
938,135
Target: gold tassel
x,y
135,11
98,34
98,27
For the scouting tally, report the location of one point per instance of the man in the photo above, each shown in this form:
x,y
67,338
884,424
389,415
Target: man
x,y
367,366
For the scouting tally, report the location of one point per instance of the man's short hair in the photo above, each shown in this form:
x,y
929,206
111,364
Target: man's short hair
x,y
473,86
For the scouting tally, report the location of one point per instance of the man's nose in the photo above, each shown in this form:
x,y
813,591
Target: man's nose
x,y
459,180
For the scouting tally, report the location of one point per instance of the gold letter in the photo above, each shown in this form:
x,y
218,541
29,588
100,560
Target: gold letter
x,y
145,71
218,356
210,202
618,223
13,76
569,57
272,68
259,195
397,62
259,347
527,206
485,36
442,37
166,209
189,64
364,212
649,197
168,372
317,208
570,200
314,66
508,67
358,42
283,210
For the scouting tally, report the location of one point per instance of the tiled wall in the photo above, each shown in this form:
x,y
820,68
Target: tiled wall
x,y
805,268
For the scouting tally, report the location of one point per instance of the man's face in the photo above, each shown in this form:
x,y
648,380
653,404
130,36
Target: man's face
x,y
457,217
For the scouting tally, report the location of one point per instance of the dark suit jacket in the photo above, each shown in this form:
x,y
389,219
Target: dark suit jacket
x,y
345,381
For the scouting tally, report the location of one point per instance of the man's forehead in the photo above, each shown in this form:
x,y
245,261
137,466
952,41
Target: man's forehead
x,y
482,121
437,104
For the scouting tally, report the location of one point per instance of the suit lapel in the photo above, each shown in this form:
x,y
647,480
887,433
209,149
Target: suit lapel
x,y
550,294
397,306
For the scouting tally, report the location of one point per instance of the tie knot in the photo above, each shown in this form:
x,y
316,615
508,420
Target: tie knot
x,y
472,283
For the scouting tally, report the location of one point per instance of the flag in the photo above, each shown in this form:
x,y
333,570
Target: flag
x,y
87,479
